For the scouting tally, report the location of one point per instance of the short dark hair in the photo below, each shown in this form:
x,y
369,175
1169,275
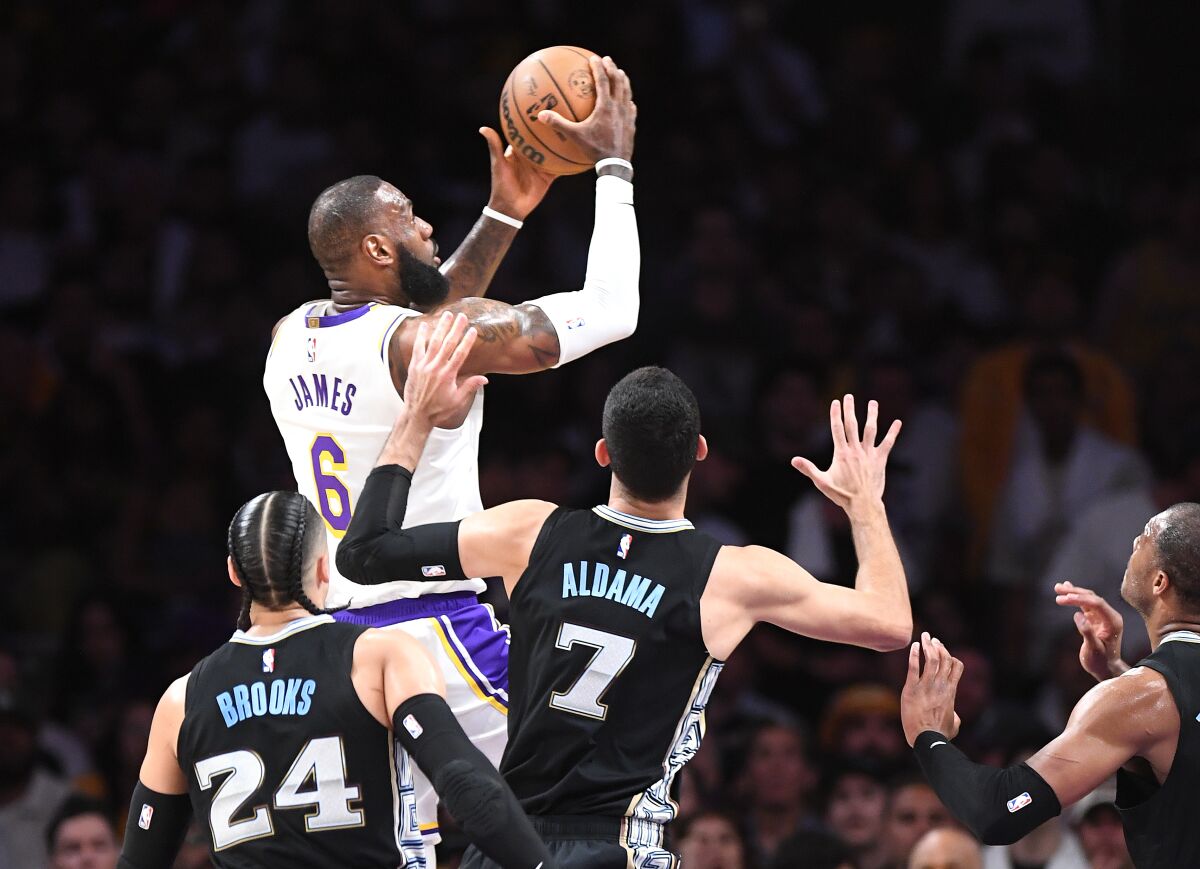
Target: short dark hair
x,y
75,806
1177,546
340,217
651,425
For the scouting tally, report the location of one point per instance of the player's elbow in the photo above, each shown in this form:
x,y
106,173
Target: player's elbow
x,y
351,559
892,634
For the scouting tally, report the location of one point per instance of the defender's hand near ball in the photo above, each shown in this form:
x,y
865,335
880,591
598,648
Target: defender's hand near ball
x,y
517,185
608,131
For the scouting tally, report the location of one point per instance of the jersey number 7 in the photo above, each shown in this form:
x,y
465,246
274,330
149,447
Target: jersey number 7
x,y
613,654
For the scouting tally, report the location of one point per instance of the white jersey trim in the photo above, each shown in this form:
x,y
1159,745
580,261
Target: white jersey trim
x,y
293,627
638,523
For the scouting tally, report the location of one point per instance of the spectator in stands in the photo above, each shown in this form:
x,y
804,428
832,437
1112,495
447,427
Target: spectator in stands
x,y
81,836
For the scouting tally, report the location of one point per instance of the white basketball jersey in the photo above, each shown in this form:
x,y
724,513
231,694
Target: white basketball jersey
x,y
332,395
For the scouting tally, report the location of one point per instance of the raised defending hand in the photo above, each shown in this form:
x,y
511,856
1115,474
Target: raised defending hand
x,y
608,131
856,474
517,185
1101,627
433,391
927,701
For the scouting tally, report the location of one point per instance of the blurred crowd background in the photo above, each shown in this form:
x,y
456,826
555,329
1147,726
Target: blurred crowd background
x,y
985,214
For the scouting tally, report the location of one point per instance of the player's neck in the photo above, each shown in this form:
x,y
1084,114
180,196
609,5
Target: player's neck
x,y
345,296
1157,629
265,621
672,508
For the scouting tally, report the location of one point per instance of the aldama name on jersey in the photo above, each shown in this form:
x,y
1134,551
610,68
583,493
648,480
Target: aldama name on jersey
x,y
637,592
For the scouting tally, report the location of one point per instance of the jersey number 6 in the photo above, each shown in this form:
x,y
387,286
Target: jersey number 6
x,y
613,654
333,497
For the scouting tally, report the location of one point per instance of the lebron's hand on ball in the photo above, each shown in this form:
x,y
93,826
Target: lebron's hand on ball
x,y
608,131
518,186
927,701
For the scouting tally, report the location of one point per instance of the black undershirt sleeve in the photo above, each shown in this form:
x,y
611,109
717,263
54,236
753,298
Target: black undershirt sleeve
x,y
377,549
468,784
999,806
156,826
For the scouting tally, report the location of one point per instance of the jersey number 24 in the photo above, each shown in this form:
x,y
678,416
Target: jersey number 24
x,y
321,760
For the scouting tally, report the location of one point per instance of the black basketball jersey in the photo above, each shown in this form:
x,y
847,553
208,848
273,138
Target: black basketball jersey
x,y
285,765
608,673
1160,821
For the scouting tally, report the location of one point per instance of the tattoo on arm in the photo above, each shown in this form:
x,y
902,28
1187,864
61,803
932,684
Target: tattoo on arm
x,y
472,266
518,327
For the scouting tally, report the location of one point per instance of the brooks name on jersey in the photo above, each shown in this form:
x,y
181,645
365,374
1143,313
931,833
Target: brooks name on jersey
x,y
637,592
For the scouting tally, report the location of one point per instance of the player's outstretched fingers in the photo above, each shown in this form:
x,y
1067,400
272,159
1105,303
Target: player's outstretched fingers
x,y
626,87
419,345
889,440
933,662
463,350
956,671
494,145
805,467
836,425
914,666
851,419
871,427
440,327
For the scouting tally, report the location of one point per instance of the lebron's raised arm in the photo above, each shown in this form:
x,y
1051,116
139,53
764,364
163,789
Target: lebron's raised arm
x,y
555,329
518,185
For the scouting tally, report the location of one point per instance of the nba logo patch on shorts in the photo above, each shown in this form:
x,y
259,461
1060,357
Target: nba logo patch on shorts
x,y
1019,802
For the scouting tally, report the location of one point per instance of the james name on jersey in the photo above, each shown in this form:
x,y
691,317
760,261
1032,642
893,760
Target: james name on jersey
x,y
339,399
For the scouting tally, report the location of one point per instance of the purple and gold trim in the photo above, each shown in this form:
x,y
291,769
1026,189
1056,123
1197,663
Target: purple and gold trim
x,y
318,321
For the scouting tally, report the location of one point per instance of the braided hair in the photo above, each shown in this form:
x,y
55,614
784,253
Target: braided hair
x,y
272,539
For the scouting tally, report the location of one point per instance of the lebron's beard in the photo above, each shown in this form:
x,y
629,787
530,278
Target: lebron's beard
x,y
422,283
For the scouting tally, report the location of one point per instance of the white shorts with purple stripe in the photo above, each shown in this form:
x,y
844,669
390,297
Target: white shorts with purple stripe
x,y
471,648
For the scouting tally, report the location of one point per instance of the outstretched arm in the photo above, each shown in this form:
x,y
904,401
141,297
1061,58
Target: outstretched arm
x,y
518,185
159,810
377,548
752,584
558,328
1117,720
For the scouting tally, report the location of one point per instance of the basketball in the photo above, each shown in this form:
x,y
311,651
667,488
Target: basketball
x,y
558,78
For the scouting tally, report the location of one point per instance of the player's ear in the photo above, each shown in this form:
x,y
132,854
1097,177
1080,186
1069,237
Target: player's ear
x,y
1160,583
233,577
603,459
701,449
378,249
323,569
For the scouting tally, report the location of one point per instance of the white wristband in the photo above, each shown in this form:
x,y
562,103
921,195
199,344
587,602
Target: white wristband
x,y
613,161
503,218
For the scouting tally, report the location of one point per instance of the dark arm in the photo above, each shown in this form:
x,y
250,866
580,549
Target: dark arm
x,y
377,549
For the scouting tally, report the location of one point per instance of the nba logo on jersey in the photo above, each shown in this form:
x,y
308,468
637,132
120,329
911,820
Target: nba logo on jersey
x,y
623,548
1019,802
312,349
146,815
269,661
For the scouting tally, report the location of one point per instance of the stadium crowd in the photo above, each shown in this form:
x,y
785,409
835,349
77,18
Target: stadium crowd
x,y
983,213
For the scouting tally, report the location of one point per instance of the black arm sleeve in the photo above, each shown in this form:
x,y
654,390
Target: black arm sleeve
x,y
156,825
468,784
999,806
376,549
